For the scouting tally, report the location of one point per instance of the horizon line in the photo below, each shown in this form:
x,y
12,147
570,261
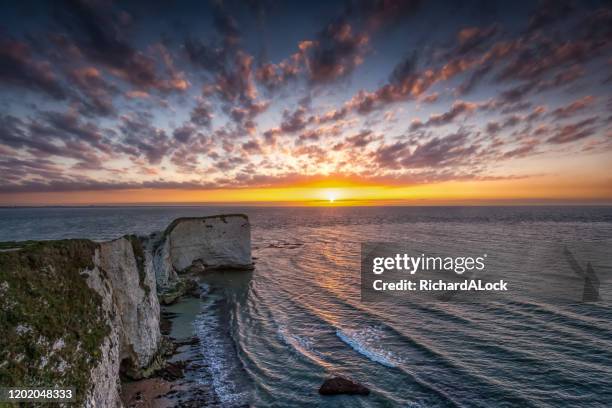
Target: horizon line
x,y
329,204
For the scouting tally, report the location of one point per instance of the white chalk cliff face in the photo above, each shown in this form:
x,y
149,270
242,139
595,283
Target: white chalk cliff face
x,y
159,248
112,289
126,283
136,269
215,242
104,391
135,299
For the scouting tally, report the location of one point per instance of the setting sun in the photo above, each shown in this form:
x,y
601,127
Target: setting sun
x,y
195,193
332,195
213,120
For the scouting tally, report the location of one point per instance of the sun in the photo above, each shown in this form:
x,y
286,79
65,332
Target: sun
x,y
331,195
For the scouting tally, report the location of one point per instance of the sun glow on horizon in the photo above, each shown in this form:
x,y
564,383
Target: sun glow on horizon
x,y
550,188
332,195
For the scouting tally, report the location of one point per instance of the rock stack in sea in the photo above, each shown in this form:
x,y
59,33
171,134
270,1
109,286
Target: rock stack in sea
x,y
80,313
198,244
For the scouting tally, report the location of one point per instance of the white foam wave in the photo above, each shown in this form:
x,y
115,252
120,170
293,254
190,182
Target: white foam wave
x,y
301,344
367,342
216,349
297,342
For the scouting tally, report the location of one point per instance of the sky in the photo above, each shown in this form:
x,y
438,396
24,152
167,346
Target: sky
x,y
347,102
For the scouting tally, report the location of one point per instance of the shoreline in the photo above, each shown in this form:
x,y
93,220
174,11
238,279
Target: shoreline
x,y
188,378
116,290
176,383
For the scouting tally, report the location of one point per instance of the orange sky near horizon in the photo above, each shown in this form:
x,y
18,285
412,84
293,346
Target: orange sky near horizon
x,y
340,105
546,189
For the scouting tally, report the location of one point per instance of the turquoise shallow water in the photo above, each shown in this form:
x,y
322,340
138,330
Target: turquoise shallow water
x,y
273,335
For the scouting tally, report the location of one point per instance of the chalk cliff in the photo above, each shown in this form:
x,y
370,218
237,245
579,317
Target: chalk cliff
x,y
215,242
78,313
132,278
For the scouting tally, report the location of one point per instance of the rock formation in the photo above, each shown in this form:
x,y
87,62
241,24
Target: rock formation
x,y
132,278
341,385
221,241
78,313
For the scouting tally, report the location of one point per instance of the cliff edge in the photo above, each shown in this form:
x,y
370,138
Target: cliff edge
x,y
215,242
77,313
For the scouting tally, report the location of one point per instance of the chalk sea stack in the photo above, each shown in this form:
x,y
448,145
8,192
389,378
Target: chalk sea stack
x,y
216,242
82,313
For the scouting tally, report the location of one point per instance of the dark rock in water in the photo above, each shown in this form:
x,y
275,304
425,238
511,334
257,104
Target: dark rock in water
x,y
340,385
192,288
183,287
195,268
165,325
188,342
172,371
169,298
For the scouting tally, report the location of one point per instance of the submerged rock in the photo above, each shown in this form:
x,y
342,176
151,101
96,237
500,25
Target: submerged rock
x,y
341,385
172,371
183,287
170,297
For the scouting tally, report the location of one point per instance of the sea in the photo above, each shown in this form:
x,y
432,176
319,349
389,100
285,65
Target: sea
x,y
270,337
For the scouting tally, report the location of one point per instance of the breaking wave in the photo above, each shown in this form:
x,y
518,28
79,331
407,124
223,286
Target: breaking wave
x,y
366,341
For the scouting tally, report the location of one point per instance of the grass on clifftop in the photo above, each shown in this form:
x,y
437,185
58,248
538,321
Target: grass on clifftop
x,y
12,245
51,325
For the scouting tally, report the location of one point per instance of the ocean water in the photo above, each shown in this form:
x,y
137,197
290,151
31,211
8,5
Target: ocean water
x,y
270,337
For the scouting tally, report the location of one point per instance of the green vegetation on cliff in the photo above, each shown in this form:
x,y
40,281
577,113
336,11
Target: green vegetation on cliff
x,y
51,322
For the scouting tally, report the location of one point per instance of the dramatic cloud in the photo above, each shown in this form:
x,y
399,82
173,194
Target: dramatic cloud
x,y
573,108
18,67
574,131
201,115
336,53
100,95
140,138
459,108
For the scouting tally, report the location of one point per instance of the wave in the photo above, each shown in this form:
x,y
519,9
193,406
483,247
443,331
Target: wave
x,y
366,341
219,355
302,345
